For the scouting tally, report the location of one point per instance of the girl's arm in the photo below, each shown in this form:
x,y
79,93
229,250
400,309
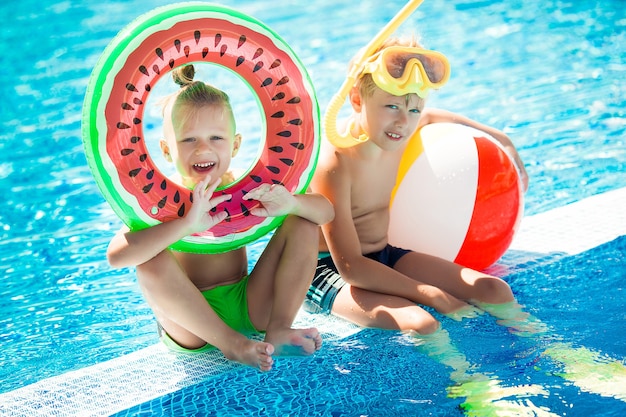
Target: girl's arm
x,y
131,248
431,115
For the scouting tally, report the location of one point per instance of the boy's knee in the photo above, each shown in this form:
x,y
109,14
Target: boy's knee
x,y
426,325
494,291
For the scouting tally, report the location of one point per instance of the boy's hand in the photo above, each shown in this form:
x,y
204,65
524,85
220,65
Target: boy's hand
x,y
275,200
200,218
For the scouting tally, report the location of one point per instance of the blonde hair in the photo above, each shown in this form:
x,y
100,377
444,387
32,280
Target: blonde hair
x,y
196,94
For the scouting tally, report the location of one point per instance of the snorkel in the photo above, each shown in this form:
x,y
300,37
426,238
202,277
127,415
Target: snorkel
x,y
346,140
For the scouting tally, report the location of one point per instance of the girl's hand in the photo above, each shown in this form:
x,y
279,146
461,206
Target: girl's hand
x,y
200,218
275,200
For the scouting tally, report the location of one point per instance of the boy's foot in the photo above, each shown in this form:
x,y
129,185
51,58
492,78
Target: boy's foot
x,y
294,342
253,353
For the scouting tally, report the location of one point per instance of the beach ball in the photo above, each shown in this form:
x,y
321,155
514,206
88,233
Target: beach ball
x,y
458,196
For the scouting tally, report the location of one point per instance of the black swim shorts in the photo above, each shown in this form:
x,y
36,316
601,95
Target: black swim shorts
x,y
327,281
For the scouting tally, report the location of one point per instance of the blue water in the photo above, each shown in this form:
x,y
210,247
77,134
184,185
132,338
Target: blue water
x,y
549,73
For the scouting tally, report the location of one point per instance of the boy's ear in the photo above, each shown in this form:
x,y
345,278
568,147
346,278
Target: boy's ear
x,y
166,150
236,144
355,99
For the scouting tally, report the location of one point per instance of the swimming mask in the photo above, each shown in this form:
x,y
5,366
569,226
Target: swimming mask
x,y
400,70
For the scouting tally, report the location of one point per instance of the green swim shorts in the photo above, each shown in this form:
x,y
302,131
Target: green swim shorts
x,y
230,304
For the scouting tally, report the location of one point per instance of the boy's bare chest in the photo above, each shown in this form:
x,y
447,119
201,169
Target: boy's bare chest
x,y
372,185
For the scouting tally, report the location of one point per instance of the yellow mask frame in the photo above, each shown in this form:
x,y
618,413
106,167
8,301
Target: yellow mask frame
x,y
401,70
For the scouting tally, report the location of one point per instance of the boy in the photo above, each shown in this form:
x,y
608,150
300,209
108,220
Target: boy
x,y
360,277
209,300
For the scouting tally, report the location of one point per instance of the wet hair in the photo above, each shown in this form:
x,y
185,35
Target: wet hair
x,y
196,94
366,84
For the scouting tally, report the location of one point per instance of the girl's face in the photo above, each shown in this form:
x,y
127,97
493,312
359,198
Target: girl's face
x,y
388,120
200,142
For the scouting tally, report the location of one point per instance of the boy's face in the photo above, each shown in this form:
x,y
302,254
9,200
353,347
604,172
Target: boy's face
x,y
389,120
200,142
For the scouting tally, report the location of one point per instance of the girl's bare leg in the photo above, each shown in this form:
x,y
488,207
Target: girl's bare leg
x,y
278,285
187,318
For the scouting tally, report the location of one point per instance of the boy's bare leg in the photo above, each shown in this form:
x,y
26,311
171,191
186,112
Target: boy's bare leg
x,y
189,320
279,283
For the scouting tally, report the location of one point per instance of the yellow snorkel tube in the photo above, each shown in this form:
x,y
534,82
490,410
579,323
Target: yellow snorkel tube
x,y
346,140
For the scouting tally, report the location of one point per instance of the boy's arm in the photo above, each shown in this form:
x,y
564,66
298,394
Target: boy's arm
x,y
358,270
131,248
276,201
431,115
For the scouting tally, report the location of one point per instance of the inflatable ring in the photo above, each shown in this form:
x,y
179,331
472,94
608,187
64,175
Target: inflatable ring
x,y
144,52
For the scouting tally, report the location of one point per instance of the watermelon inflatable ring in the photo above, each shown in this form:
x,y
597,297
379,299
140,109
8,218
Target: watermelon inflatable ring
x,y
145,51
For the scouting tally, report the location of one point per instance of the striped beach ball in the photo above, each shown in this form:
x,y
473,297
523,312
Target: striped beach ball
x,y
458,196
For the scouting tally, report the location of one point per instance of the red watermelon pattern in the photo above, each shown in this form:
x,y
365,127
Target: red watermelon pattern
x,y
290,139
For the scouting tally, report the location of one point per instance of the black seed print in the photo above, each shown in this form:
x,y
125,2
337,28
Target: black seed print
x,y
279,96
177,197
266,82
242,40
283,80
187,51
196,36
126,152
162,202
136,120
205,52
257,53
257,67
286,161
275,64
147,188
137,101
144,70
147,87
131,87
177,44
256,178
296,122
213,210
121,125
244,210
278,114
159,52
284,134
135,139
171,63
218,39
150,174
295,100
134,172
127,106
181,210
273,169
223,50
240,61
164,185
277,149
299,146
156,69
143,157
277,182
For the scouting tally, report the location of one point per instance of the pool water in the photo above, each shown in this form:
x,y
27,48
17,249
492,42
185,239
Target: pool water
x,y
552,80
